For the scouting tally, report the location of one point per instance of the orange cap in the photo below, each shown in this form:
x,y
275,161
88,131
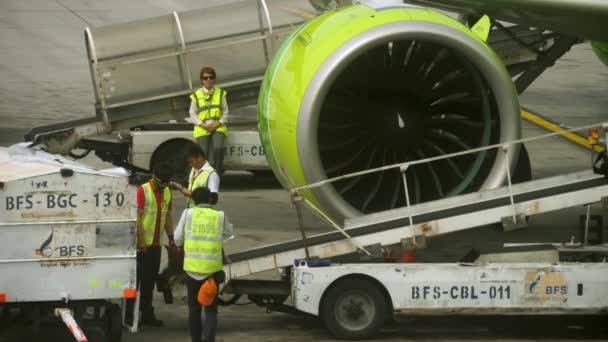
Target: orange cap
x,y
2,297
207,292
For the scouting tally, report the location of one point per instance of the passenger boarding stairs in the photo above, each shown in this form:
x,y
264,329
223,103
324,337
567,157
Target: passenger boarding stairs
x,y
143,71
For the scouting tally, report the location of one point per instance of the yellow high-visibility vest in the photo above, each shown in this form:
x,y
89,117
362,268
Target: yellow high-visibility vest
x,y
148,218
201,180
209,107
203,242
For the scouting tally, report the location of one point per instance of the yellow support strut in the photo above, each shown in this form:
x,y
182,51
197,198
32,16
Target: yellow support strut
x,y
550,126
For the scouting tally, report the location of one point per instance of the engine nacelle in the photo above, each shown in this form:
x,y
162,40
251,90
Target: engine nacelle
x,y
362,87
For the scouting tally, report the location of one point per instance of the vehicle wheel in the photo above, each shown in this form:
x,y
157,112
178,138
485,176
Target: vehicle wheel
x,y
354,309
113,323
523,170
171,153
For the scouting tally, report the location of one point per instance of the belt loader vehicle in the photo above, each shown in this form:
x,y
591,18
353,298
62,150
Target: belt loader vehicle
x,y
355,298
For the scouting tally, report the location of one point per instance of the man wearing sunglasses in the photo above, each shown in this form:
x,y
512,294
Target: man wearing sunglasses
x,y
154,204
209,114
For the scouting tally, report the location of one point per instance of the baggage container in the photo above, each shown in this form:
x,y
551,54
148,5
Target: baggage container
x,y
67,236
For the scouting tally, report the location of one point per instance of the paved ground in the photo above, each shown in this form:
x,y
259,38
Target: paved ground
x,y
44,79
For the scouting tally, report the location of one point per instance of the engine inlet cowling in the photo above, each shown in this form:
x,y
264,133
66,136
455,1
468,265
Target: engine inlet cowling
x,y
366,87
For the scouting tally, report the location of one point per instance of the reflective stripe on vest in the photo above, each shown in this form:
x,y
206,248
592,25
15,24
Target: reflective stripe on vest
x,y
148,217
203,244
209,108
201,180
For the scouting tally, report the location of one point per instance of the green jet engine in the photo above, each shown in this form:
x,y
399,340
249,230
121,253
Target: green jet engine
x,y
372,85
601,50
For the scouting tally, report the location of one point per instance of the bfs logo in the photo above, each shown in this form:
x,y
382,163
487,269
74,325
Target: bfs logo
x,y
546,285
47,251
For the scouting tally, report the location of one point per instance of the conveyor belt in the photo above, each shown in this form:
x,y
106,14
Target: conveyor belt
x,y
462,212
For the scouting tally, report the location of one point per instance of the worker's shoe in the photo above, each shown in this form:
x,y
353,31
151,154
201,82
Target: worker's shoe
x,y
151,320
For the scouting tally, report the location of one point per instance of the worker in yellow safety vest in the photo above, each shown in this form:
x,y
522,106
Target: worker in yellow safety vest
x,y
154,205
201,174
202,231
209,114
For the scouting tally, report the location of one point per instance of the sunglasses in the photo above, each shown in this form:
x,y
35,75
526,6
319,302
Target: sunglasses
x,y
205,78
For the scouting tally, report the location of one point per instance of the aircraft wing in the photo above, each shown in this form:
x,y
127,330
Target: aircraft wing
x,y
583,18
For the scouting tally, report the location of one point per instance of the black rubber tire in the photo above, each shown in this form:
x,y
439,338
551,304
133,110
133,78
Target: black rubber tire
x,y
338,294
113,323
172,153
523,170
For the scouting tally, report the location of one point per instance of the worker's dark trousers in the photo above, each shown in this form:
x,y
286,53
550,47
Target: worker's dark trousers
x,y
148,264
198,327
213,146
